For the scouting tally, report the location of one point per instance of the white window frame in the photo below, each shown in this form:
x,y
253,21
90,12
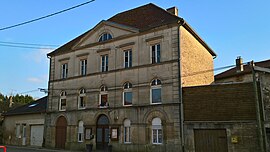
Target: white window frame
x,y
104,37
103,91
82,95
127,90
127,131
105,67
156,53
156,129
62,97
64,70
129,58
83,67
80,131
153,87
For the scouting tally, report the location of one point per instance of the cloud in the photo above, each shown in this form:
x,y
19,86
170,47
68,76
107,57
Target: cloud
x,y
38,56
38,80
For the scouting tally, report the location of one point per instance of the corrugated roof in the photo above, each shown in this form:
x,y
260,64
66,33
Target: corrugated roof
x,y
232,72
38,106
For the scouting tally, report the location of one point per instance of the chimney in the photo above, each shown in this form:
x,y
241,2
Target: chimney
x,y
173,10
239,64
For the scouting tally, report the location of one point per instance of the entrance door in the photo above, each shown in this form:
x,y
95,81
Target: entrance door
x,y
102,137
61,131
210,140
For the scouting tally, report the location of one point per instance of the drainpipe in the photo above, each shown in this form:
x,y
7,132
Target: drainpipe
x,y
258,110
181,109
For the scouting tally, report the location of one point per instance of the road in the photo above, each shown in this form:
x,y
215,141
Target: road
x,y
26,149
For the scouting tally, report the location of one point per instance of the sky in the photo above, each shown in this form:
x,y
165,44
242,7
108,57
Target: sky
x,y
231,28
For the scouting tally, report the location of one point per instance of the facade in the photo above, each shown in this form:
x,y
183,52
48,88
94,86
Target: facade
x,y
258,72
24,125
120,83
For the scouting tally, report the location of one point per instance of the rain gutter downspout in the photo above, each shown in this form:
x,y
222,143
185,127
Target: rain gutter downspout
x,y
181,109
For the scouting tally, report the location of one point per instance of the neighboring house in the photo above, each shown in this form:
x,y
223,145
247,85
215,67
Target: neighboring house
x,y
259,71
24,125
120,82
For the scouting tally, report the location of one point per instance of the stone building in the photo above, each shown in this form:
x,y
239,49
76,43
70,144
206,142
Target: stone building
x,y
120,82
24,125
258,72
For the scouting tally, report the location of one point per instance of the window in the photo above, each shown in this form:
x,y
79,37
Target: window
x,y
105,37
104,63
155,53
127,131
18,130
83,67
82,99
128,58
103,97
63,101
156,91
80,131
127,94
64,70
156,131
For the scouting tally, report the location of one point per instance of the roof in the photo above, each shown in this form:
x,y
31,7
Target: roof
x,y
232,72
143,18
38,106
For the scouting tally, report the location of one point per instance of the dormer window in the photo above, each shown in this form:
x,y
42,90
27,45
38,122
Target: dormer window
x,y
105,37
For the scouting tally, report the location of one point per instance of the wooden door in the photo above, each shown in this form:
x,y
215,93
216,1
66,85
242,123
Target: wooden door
x,y
210,140
61,131
102,137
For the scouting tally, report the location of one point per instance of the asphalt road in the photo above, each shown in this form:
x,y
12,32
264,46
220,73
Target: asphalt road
x,y
25,149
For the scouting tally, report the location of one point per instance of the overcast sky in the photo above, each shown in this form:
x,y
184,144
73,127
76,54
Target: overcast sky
x,y
231,28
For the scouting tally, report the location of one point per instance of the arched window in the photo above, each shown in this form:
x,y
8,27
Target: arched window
x,y
104,37
80,131
82,99
155,91
127,131
156,131
63,101
127,94
103,97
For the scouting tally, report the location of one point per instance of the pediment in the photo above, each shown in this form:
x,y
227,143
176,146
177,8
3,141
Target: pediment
x,y
115,29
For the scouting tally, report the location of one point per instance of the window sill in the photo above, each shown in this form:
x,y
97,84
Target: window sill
x,y
63,110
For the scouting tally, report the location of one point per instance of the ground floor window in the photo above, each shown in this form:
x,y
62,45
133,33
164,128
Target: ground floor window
x,y
156,131
127,131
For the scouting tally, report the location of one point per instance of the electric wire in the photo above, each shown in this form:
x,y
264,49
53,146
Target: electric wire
x,y
27,44
43,17
26,47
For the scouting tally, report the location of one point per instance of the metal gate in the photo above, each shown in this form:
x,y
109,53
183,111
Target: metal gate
x,y
210,140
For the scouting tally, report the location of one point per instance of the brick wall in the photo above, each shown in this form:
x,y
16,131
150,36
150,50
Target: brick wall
x,y
219,102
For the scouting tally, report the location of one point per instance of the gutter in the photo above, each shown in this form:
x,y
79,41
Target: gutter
x,y
181,109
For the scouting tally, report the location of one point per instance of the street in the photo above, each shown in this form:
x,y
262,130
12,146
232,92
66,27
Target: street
x,y
28,149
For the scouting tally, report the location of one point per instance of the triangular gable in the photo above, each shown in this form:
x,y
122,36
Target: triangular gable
x,y
115,29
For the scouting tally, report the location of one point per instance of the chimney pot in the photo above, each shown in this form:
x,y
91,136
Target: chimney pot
x,y
173,10
239,64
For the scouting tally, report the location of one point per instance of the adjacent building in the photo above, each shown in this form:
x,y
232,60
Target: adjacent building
x,y
120,82
24,125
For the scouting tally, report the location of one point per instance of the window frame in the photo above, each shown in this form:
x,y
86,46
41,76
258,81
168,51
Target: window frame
x,y
80,136
83,67
156,86
127,89
64,70
156,131
105,37
129,58
157,53
63,96
18,131
103,91
82,95
104,59
127,126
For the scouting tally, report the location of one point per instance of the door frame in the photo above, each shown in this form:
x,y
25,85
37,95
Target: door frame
x,y
102,145
60,128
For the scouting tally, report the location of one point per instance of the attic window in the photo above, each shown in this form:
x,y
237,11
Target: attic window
x,y
105,37
33,105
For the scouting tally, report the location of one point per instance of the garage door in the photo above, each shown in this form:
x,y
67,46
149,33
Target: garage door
x,y
37,135
210,140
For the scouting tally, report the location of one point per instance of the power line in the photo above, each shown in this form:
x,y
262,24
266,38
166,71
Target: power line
x,y
31,44
26,47
43,17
